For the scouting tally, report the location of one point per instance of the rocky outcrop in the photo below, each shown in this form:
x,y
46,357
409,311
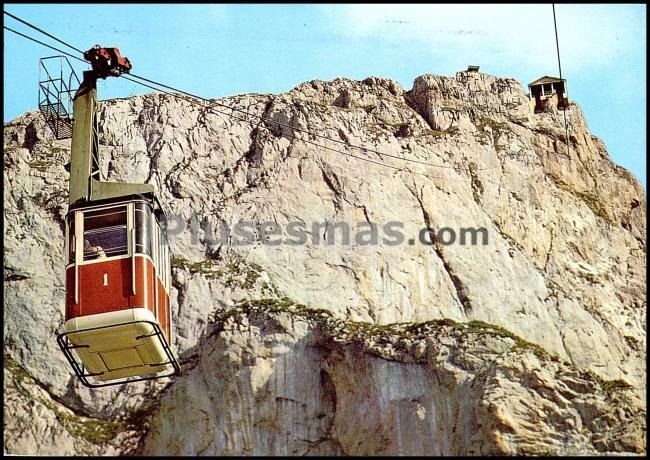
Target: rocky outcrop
x,y
561,279
38,424
288,380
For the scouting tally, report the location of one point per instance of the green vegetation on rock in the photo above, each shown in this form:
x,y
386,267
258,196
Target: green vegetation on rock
x,y
95,431
591,200
235,272
395,333
607,385
38,165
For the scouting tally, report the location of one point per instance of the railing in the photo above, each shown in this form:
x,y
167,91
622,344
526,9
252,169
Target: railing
x,y
57,84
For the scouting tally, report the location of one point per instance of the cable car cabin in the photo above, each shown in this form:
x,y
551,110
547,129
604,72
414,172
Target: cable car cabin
x,y
118,277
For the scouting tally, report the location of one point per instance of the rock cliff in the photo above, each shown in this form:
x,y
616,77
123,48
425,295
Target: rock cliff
x,y
533,343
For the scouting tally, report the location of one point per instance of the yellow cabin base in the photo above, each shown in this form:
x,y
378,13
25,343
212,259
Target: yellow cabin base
x,y
113,352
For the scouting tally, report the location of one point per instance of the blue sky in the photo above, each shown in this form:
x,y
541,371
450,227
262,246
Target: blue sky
x,y
220,50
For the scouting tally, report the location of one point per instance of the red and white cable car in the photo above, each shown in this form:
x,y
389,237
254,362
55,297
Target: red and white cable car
x,y
118,276
117,291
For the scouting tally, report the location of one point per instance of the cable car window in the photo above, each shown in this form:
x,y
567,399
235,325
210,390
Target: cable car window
x,y
165,262
142,229
161,256
70,238
169,261
154,256
168,269
105,233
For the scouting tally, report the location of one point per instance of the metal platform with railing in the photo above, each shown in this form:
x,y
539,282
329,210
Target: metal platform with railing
x,y
57,85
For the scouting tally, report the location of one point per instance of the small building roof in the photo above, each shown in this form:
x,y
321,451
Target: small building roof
x,y
546,79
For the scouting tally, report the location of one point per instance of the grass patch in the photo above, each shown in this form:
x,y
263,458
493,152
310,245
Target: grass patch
x,y
498,128
481,327
608,385
38,165
493,124
477,185
591,200
435,132
439,132
400,336
284,304
95,431
236,272
594,204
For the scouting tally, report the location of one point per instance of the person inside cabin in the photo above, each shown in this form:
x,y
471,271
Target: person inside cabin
x,y
94,252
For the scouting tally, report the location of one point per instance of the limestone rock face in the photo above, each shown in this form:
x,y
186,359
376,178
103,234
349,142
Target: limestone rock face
x,y
560,278
39,425
289,381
